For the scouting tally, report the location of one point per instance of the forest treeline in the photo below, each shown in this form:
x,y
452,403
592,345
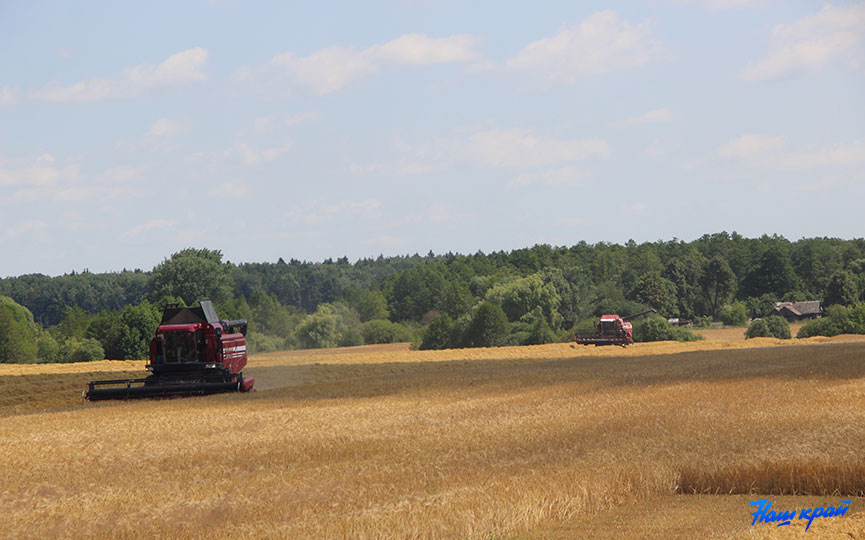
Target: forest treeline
x,y
533,295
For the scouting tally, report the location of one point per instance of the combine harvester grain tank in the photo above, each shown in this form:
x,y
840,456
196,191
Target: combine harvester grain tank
x,y
193,353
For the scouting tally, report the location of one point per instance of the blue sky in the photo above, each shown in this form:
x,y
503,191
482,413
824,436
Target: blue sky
x,y
319,130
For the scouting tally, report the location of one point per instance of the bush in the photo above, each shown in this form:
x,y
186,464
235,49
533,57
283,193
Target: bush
x,y
87,350
261,343
658,329
837,321
382,331
757,328
540,333
439,334
734,315
586,326
772,326
350,337
702,322
48,351
778,327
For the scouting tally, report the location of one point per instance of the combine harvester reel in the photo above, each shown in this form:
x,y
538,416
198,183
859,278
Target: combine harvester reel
x,y
192,354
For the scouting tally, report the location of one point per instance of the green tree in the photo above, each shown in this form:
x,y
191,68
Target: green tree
x,y
684,271
841,289
759,307
193,275
439,334
489,326
718,283
657,292
17,341
773,274
369,304
521,296
319,330
74,322
18,333
734,315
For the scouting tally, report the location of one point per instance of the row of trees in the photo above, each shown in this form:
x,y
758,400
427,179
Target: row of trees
x,y
543,292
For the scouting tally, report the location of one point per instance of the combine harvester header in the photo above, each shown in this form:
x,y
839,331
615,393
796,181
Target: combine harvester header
x,y
193,353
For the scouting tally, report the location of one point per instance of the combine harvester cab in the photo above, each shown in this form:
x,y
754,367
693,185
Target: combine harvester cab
x,y
192,354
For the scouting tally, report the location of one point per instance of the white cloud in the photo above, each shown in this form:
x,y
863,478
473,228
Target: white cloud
x,y
418,50
810,43
331,69
268,124
39,174
837,155
517,148
251,156
438,213
507,149
368,207
181,67
319,211
259,126
600,44
387,241
823,184
571,222
564,177
121,174
163,127
8,96
651,117
718,4
24,228
229,190
327,70
750,146
771,152
93,90
153,224
638,209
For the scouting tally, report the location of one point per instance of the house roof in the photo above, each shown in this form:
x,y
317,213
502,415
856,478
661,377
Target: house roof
x,y
800,308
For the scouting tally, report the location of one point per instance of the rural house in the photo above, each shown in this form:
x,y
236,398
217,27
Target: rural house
x,y
797,311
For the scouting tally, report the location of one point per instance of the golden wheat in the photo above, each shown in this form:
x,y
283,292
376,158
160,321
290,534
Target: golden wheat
x,y
544,441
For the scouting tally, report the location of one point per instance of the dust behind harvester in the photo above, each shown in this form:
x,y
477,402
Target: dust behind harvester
x,y
193,353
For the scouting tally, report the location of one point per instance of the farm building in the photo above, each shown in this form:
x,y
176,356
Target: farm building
x,y
798,311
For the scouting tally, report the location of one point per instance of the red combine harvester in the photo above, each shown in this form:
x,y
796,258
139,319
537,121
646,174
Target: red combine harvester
x,y
192,354
612,330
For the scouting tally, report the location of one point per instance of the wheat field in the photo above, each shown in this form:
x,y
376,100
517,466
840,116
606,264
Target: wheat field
x,y
662,440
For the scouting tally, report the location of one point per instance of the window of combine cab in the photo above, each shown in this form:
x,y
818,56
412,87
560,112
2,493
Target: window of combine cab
x,y
179,347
